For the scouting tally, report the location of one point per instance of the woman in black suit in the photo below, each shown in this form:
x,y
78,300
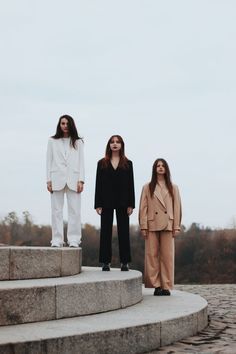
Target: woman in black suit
x,y
114,190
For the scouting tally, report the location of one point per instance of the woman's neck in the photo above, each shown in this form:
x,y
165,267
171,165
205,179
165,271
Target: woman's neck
x,y
65,135
161,179
115,155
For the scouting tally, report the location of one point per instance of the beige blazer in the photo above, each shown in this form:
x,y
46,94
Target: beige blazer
x,y
159,213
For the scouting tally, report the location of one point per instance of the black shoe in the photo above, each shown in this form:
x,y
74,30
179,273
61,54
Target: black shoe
x,y
158,291
124,267
106,267
165,292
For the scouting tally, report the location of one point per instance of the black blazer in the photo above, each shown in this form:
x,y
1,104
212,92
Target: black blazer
x,y
114,188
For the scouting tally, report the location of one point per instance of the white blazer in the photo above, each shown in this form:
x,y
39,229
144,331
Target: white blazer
x,y
64,170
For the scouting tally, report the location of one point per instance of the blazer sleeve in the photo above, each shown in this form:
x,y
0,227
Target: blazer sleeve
x,y
143,208
131,201
49,160
98,188
81,161
177,209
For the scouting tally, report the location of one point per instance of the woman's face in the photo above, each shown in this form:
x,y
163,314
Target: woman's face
x,y
115,144
160,168
64,126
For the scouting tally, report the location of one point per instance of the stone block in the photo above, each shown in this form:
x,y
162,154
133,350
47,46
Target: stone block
x,y
132,340
87,298
176,329
71,261
32,262
4,263
202,319
131,291
20,305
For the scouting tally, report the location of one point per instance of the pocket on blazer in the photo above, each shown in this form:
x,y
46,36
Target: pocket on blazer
x,y
150,216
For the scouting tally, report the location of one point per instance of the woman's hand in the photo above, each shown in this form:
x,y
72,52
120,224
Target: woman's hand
x,y
99,211
49,186
129,211
176,232
144,234
80,187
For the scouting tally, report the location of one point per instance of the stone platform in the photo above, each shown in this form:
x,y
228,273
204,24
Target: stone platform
x,y
146,326
92,291
39,262
91,312
219,337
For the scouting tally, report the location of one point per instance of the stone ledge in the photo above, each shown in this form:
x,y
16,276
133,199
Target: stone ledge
x,y
155,322
39,262
92,291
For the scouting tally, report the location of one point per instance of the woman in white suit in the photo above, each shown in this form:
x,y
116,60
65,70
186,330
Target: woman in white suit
x,y
65,175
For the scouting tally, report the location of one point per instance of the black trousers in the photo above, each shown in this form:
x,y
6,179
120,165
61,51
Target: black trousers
x,y
105,253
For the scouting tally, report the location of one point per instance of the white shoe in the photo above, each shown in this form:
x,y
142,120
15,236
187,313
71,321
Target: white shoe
x,y
56,245
73,244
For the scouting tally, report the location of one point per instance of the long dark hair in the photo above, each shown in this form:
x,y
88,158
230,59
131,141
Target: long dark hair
x,y
167,176
73,134
123,163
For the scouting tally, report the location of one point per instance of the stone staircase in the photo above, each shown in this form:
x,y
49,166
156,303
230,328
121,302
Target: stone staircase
x,y
48,305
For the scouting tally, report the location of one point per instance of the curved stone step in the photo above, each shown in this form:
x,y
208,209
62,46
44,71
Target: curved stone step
x,y
155,322
92,291
39,262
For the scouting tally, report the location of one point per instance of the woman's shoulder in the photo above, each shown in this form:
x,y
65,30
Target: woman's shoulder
x,y
101,162
146,186
50,139
175,187
80,140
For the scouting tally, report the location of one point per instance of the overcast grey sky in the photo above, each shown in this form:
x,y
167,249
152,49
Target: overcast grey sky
x,y
159,73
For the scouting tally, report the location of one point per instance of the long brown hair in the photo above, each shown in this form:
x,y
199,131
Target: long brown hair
x,y
123,163
167,176
73,134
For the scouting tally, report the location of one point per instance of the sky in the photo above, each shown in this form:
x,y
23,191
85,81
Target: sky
x,y
159,73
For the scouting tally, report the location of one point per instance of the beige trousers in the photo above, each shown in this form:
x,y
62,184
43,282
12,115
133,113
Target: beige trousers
x,y
159,260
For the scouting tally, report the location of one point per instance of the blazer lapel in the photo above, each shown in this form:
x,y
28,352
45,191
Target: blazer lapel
x,y
157,193
62,148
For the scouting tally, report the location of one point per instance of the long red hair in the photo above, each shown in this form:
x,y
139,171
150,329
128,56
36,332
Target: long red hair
x,y
123,163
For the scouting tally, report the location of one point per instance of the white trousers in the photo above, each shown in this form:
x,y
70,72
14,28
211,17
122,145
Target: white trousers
x,y
74,216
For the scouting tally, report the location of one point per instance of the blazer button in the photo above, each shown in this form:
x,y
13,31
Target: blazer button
x,y
156,212
165,212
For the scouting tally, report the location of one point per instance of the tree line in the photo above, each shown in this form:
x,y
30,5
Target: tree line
x,y
202,255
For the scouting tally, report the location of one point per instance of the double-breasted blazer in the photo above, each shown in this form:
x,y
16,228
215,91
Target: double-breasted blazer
x,y
159,212
114,187
65,169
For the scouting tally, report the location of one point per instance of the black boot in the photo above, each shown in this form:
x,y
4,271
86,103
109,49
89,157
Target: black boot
x,y
158,291
106,267
124,267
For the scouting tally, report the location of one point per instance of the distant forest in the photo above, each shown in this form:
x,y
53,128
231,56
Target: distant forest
x,y
202,255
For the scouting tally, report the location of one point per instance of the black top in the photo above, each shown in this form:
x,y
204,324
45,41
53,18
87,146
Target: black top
x,y
114,187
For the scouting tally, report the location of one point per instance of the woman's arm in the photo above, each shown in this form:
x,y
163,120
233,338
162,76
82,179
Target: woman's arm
x,y
177,210
143,207
81,161
98,188
131,186
49,158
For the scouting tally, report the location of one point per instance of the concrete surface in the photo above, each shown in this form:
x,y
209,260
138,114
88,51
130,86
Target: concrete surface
x,y
141,328
38,262
91,291
220,335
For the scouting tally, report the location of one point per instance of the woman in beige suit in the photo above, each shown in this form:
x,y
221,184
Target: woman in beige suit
x,y
159,219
